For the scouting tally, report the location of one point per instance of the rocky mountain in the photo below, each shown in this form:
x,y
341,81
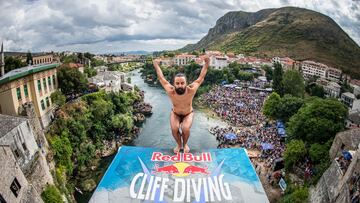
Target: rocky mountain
x,y
299,33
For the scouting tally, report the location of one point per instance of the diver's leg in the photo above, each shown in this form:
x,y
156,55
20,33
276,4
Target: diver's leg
x,y
175,124
185,128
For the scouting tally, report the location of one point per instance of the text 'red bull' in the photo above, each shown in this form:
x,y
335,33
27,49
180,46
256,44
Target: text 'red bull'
x,y
182,157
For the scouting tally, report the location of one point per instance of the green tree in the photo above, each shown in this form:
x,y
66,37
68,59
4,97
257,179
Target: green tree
x,y
317,121
58,98
29,58
12,63
278,85
293,83
101,108
62,149
294,152
268,72
299,195
51,195
71,80
288,106
242,75
271,106
319,152
315,90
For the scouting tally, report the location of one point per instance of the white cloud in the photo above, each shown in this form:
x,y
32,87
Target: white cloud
x,y
120,25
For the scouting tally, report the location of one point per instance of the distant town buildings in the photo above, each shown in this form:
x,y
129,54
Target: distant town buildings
x,y
286,62
332,89
80,67
183,59
110,80
348,98
41,58
313,69
218,61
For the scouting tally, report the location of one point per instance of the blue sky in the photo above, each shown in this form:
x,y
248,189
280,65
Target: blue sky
x,y
102,26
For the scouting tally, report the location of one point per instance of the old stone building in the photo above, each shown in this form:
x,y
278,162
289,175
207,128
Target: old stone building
x,y
14,186
337,183
22,162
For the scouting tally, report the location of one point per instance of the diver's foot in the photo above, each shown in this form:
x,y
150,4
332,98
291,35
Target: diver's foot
x,y
186,149
177,149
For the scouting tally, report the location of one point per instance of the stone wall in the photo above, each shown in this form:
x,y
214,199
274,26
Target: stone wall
x,y
36,126
40,175
333,186
9,171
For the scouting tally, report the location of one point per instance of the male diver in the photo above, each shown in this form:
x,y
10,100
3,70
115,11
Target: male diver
x,y
181,95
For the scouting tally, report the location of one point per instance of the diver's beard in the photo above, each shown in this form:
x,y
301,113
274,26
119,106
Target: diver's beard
x,y
180,90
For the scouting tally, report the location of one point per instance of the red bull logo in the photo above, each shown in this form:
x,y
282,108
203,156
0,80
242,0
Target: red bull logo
x,y
182,157
195,169
180,169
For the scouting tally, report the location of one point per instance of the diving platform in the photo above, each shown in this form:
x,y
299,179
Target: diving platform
x,y
139,174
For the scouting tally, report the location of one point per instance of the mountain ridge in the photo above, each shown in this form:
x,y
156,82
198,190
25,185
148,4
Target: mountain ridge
x,y
299,33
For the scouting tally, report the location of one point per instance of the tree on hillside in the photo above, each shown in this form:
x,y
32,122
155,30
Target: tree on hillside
x,y
71,80
295,151
12,63
271,106
317,121
29,58
315,90
293,83
268,72
277,79
288,106
58,98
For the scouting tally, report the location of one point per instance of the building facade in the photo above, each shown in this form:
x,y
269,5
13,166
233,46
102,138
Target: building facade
x,y
348,99
43,59
183,59
332,89
218,62
29,84
313,69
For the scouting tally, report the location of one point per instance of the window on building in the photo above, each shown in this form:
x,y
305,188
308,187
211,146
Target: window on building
x,y
16,152
49,82
26,91
44,84
42,104
54,81
24,146
2,200
47,102
18,93
15,187
39,85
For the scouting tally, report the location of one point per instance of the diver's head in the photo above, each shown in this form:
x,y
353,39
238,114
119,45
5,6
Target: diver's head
x,y
180,83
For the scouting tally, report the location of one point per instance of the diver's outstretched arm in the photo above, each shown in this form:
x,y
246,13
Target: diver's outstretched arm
x,y
202,75
166,85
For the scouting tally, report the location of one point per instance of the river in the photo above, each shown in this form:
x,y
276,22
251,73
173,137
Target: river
x,y
156,129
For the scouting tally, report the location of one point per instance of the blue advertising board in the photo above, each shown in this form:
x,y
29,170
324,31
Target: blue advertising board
x,y
139,174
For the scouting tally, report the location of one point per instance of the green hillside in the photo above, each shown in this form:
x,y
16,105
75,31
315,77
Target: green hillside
x,y
295,32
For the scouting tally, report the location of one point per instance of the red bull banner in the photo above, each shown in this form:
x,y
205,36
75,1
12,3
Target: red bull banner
x,y
139,174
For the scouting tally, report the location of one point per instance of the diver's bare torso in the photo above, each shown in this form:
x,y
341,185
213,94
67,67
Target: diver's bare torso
x,y
182,104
